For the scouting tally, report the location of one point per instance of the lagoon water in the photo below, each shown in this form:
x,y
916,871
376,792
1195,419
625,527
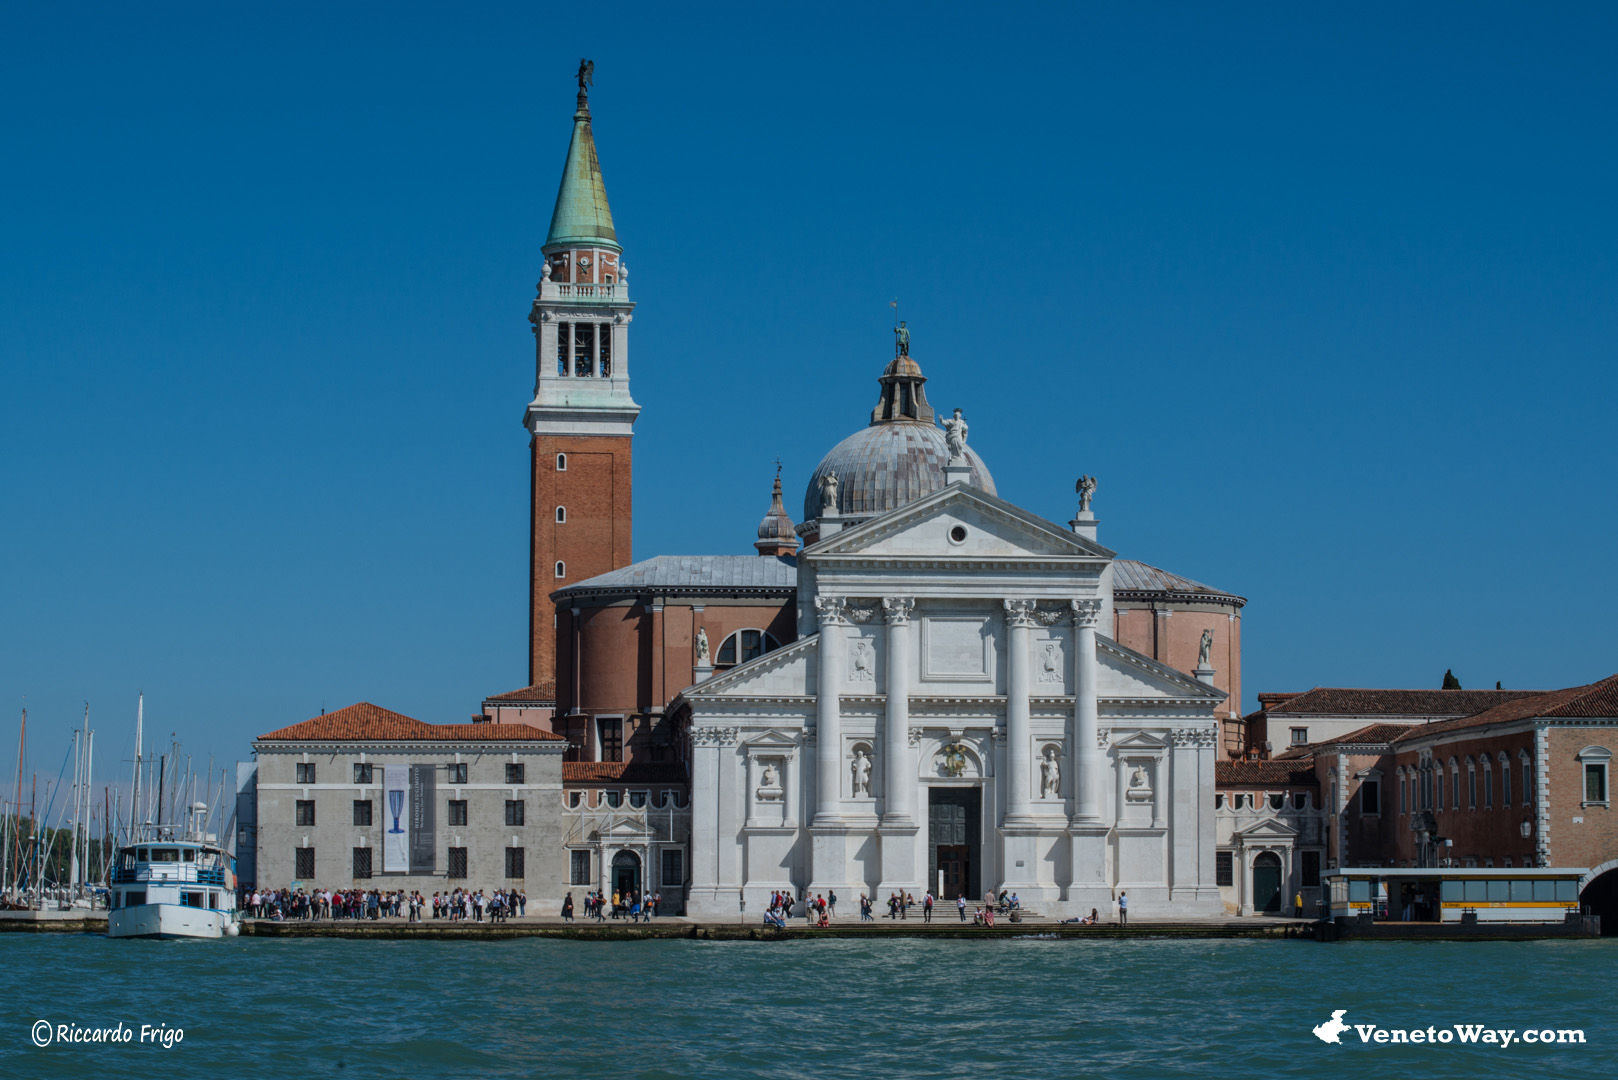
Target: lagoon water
x,y
891,1008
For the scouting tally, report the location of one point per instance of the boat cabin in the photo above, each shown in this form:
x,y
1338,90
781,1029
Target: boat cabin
x,y
1447,895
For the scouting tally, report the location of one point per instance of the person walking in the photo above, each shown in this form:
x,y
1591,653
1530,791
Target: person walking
x,y
960,906
1123,909
831,904
927,907
1297,905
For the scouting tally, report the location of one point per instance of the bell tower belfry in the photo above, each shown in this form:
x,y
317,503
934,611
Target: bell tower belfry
x,y
581,418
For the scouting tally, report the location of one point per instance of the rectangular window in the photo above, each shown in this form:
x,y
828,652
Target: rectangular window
x,y
562,346
306,772
514,811
1224,868
1595,782
673,868
457,772
612,739
1300,735
514,773
457,811
513,862
457,862
303,863
1371,797
579,868
1311,869
362,811
584,339
362,772
304,812
362,862
606,351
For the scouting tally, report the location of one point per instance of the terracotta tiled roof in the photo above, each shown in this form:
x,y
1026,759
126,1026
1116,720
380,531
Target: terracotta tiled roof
x,y
623,772
1294,773
372,723
539,694
1349,701
1598,699
1370,733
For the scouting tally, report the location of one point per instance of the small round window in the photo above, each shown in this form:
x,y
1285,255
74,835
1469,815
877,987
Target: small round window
x,y
957,534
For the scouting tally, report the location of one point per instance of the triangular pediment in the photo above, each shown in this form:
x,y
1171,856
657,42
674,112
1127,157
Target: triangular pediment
x,y
772,740
958,523
1139,740
781,673
1268,829
1127,674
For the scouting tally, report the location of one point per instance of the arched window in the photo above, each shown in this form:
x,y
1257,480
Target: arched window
x,y
561,463
1278,800
1471,785
561,515
1488,784
744,645
1505,781
561,569
1454,784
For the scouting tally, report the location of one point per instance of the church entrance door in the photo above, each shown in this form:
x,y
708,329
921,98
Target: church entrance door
x,y
954,834
625,872
1267,882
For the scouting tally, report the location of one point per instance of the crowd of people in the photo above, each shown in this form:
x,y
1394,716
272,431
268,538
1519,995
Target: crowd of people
x,y
623,904
459,905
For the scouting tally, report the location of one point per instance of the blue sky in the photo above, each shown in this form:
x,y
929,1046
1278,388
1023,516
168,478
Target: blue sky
x,y
1325,297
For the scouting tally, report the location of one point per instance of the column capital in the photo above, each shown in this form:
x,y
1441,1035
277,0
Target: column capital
x,y
1086,613
831,610
896,609
1020,613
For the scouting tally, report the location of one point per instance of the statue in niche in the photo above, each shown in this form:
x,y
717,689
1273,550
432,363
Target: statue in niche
x,y
768,779
1137,779
1205,648
769,782
1050,775
861,768
828,494
1086,487
955,437
703,657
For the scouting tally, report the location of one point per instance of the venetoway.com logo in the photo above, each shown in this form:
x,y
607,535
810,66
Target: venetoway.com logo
x,y
1333,1030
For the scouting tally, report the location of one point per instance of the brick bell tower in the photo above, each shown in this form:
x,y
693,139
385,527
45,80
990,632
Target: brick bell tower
x,y
582,418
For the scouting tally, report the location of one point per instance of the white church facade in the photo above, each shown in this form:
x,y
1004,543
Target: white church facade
x,y
949,719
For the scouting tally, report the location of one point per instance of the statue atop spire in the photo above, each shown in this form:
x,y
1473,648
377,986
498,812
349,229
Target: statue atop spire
x,y
901,340
586,77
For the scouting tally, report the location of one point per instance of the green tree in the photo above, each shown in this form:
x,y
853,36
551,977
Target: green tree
x,y
1450,681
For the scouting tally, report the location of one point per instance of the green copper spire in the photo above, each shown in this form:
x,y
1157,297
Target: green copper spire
x,y
582,216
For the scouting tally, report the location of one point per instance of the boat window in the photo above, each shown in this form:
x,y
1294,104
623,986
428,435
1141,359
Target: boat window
x,y
134,898
165,854
144,854
126,859
213,899
191,899
188,855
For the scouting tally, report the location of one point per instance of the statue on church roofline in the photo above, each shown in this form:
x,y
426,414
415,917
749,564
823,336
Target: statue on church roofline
x,y
955,437
586,75
1086,488
1205,648
901,339
828,494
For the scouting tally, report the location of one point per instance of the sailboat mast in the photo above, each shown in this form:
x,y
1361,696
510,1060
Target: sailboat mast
x,y
134,794
89,788
73,846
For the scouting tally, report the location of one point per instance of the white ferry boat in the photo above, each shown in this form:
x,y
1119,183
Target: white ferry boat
x,y
164,888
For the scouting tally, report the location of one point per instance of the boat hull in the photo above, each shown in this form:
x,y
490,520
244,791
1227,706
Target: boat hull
x,y
169,921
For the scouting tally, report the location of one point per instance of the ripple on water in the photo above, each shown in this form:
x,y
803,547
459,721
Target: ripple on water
x,y
893,1008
